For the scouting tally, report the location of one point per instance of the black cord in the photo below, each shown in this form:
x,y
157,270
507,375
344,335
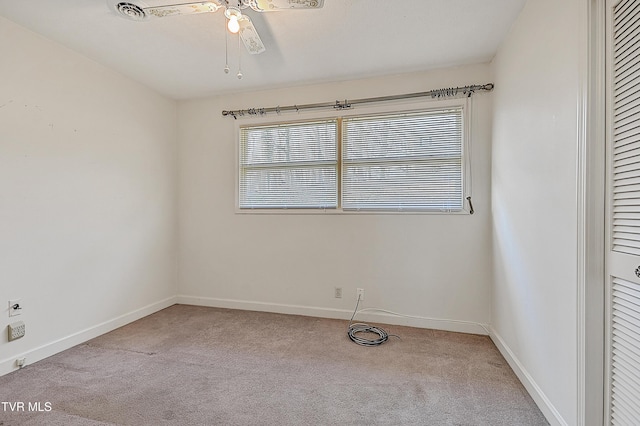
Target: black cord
x,y
354,328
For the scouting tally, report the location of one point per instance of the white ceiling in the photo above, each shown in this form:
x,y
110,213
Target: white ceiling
x,y
184,56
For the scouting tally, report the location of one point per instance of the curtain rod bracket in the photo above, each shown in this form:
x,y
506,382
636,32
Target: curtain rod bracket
x,y
340,105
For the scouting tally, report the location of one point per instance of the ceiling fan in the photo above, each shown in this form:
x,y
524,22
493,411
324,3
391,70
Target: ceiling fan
x,y
237,22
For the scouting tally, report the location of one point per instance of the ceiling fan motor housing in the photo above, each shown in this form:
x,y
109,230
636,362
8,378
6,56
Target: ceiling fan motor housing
x,y
131,11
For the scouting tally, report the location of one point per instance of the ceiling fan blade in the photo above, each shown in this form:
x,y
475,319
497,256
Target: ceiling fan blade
x,y
182,9
275,5
138,11
250,36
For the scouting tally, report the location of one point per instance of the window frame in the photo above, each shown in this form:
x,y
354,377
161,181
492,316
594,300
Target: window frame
x,y
387,108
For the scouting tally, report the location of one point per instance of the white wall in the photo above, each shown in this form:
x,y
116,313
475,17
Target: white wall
x,y
534,210
87,196
424,265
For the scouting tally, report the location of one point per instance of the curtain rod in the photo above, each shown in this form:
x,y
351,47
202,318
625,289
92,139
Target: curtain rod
x,y
438,93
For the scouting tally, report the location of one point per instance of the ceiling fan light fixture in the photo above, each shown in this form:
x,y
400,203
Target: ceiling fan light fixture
x,y
233,25
233,14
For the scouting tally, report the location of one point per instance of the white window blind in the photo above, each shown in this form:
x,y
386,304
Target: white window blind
x,y
410,161
290,165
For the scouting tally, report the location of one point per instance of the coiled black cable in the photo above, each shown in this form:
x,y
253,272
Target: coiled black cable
x,y
364,328
357,327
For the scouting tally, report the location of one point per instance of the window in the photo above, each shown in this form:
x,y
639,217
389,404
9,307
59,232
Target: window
x,y
401,161
289,166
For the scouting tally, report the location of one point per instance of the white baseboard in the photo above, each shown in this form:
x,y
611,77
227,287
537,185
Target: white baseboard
x,y
313,311
8,365
550,412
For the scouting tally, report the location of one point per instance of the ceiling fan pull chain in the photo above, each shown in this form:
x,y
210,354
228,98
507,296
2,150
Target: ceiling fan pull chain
x,y
239,75
226,51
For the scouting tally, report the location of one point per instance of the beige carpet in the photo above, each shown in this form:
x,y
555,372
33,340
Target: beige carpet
x,y
190,365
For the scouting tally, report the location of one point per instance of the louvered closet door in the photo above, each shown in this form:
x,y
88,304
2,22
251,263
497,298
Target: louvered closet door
x,y
623,263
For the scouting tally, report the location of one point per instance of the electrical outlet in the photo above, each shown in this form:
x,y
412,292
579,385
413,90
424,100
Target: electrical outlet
x,y
337,292
360,294
15,307
16,330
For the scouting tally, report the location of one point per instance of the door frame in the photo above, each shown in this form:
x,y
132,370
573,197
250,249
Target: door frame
x,y
591,203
